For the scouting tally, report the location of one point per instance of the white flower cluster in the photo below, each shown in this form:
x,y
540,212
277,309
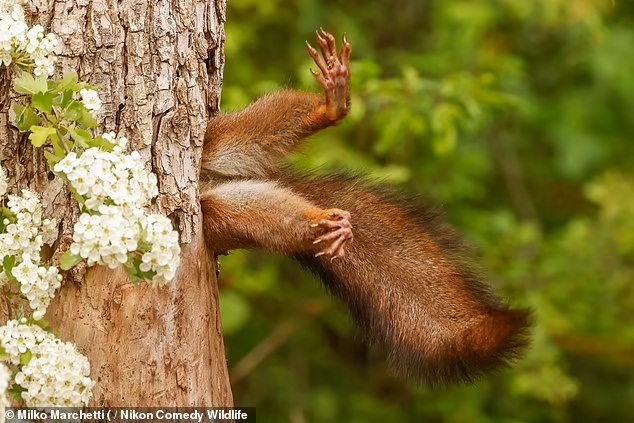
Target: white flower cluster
x,y
164,254
117,188
38,284
107,237
23,240
14,29
16,337
56,374
19,42
90,99
29,232
5,380
105,178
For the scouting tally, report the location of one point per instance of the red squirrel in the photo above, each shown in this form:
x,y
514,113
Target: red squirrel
x,y
403,272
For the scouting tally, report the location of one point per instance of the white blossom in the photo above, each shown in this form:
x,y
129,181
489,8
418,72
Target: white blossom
x,y
105,238
14,29
18,41
109,177
117,188
29,232
164,254
23,237
56,374
120,144
16,338
37,283
90,99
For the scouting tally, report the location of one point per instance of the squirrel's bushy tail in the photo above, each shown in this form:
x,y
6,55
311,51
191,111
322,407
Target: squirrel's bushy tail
x,y
411,288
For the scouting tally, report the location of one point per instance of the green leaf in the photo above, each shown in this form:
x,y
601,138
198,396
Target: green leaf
x,y
81,136
81,200
25,357
102,143
69,260
77,112
25,117
29,85
3,354
39,135
132,270
51,158
87,120
58,148
43,102
16,392
136,275
8,214
18,109
66,98
7,264
74,111
69,82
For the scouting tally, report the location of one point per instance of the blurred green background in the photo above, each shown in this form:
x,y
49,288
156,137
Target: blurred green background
x,y
518,117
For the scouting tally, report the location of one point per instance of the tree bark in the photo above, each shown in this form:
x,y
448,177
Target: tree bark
x,y
159,67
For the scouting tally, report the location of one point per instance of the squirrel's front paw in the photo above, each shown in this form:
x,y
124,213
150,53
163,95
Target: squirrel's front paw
x,y
334,73
338,233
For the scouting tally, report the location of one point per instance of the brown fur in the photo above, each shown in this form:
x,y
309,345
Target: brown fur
x,y
407,278
251,213
411,286
251,142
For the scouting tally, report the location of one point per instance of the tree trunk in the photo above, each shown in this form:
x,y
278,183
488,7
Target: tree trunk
x,y
159,68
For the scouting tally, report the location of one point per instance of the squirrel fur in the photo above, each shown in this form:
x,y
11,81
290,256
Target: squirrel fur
x,y
404,273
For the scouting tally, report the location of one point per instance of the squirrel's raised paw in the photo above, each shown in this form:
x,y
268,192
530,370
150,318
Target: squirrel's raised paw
x,y
333,74
338,233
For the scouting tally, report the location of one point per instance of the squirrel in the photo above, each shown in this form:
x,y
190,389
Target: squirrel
x,y
404,273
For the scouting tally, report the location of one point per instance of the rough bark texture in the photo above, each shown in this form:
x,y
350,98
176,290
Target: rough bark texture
x,y
159,65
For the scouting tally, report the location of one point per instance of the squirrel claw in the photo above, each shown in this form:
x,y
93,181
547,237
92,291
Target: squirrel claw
x,y
333,74
338,233
334,236
336,248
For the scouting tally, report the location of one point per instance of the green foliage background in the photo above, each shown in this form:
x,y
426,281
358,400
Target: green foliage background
x,y
517,116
